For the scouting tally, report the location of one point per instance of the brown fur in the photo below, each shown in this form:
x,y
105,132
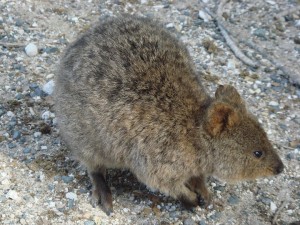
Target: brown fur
x,y
127,97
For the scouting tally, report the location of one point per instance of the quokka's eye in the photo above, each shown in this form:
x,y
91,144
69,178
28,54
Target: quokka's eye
x,y
258,154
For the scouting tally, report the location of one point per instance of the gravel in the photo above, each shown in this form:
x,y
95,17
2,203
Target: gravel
x,y
40,183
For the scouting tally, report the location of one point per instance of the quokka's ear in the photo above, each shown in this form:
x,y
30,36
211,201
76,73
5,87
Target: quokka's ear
x,y
221,116
229,94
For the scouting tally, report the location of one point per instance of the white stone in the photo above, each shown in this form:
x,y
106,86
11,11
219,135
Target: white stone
x,y
271,2
31,50
230,64
203,15
49,87
71,195
273,103
158,7
46,115
37,134
126,210
75,19
10,114
34,24
273,207
144,1
44,147
170,25
12,194
50,76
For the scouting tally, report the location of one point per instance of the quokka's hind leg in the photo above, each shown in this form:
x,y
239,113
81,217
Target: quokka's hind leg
x,y
101,192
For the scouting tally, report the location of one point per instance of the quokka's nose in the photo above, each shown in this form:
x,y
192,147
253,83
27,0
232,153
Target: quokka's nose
x,y
279,168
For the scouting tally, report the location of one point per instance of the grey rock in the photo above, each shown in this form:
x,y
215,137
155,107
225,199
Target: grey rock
x,y
202,222
16,134
19,67
189,221
26,150
233,200
22,140
2,112
174,214
57,178
19,96
50,50
51,187
215,216
70,203
3,198
67,179
262,33
266,200
33,86
289,156
19,22
11,145
297,40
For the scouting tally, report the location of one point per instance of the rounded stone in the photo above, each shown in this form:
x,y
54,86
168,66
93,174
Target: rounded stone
x,y
31,50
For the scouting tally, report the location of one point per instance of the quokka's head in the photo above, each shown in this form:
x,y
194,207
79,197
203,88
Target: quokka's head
x,y
241,148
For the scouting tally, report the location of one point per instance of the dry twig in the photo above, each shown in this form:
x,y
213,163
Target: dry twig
x,y
287,12
12,45
235,49
293,76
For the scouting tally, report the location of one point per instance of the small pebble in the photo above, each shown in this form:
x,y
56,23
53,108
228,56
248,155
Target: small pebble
x,y
273,207
262,33
10,114
33,86
170,25
12,194
16,134
189,221
202,222
37,134
174,214
89,222
126,210
71,195
233,200
19,96
266,200
70,203
11,145
51,187
31,50
297,39
46,115
48,88
273,103
203,15
67,179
